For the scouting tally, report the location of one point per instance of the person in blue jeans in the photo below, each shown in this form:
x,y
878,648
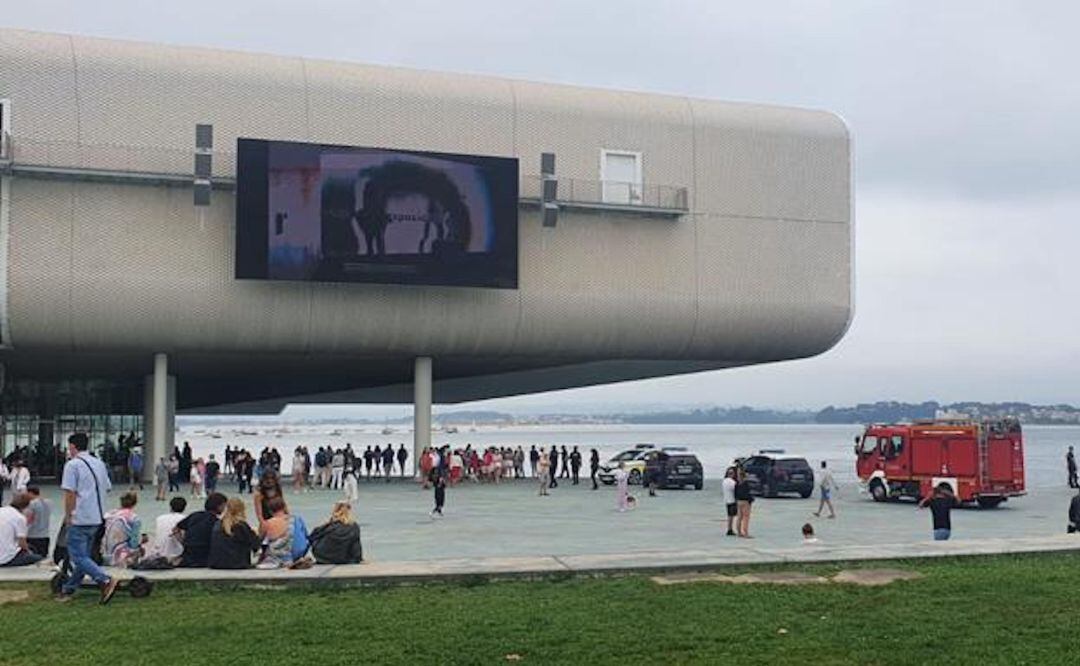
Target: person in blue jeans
x,y
941,502
85,481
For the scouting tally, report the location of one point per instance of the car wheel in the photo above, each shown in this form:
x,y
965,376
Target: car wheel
x,y
878,491
990,502
805,494
635,477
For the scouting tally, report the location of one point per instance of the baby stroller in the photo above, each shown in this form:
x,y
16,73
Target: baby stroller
x,y
138,587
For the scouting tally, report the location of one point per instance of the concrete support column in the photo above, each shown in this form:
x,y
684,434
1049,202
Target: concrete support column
x,y
159,414
421,408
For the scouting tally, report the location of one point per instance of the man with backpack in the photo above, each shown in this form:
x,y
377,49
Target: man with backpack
x,y
85,481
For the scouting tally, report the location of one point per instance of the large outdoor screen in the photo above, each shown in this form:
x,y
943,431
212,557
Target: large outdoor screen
x,y
345,214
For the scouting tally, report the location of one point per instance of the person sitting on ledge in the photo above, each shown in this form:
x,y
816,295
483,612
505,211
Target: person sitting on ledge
x,y
1074,515
232,541
124,540
277,533
196,530
338,540
14,550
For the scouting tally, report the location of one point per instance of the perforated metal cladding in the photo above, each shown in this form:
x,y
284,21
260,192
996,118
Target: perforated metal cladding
x,y
759,269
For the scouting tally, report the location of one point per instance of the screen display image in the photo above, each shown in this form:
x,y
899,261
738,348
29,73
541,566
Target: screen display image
x,y
344,214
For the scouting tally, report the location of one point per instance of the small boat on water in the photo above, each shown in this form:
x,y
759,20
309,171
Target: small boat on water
x,y
388,431
451,430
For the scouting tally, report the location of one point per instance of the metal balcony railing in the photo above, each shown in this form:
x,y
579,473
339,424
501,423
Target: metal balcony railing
x,y
159,165
612,194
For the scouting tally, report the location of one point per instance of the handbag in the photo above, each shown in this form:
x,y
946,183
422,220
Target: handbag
x,y
99,535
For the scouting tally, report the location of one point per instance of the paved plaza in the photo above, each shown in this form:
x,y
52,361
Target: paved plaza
x,y
508,528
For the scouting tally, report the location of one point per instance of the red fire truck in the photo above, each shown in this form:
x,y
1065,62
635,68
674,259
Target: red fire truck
x,y
983,461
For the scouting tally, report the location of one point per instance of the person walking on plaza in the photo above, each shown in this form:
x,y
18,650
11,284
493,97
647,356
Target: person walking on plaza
x,y
575,465
543,472
622,488
594,467
941,502
1070,466
553,458
564,464
351,486
85,480
744,501
827,486
402,458
727,486
534,457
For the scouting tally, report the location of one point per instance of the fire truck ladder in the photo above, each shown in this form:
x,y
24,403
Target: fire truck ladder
x,y
984,458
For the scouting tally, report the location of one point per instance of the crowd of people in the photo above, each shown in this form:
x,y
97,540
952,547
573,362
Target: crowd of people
x,y
221,536
217,536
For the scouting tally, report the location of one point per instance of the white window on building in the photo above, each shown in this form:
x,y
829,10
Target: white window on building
x,y
620,173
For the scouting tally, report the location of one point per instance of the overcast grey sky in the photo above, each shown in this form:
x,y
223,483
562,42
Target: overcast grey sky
x,y
965,118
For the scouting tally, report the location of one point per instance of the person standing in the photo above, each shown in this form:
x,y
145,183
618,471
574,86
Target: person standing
x,y
337,468
402,458
743,501
594,466
1074,515
298,470
174,473
439,481
622,487
213,471
369,460
185,461
85,480
519,463
827,486
575,465
1070,466
728,488
941,502
564,464
135,466
543,472
534,457
388,461
19,476
553,458
161,477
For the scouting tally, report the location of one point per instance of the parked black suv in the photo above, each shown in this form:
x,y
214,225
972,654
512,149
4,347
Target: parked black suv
x,y
674,468
770,476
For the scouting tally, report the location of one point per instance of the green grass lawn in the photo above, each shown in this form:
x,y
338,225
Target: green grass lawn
x,y
1000,610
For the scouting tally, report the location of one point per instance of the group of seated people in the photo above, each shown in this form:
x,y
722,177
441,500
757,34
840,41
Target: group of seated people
x,y
220,537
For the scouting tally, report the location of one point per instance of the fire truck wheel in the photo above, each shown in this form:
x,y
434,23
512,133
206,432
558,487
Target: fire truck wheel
x,y
989,502
878,491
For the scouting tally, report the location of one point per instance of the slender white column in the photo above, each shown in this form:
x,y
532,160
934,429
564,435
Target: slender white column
x,y
421,407
159,417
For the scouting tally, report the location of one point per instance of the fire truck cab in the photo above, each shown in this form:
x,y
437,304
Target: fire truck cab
x,y
983,461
